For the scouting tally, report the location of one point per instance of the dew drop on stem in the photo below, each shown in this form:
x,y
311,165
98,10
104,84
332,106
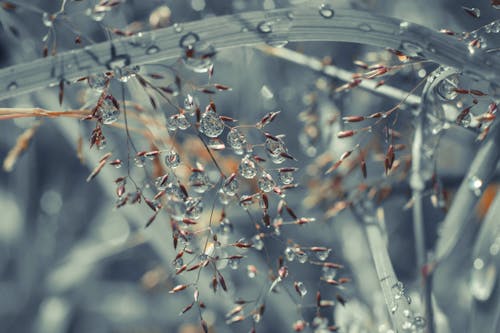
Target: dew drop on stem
x,y
483,279
475,184
326,11
265,27
446,88
211,125
247,168
172,159
289,254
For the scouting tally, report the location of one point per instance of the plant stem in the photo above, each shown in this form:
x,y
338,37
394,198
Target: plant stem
x,y
302,24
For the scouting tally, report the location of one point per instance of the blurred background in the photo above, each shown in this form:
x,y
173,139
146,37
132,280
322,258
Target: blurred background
x,y
71,262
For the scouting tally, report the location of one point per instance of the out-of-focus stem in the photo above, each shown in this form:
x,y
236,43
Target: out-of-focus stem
x,y
339,73
298,24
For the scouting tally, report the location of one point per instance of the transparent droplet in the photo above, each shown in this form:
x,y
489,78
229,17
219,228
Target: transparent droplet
x,y
211,125
47,19
97,82
266,182
95,15
446,88
322,255
190,104
247,168
475,184
178,27
328,273
465,121
152,49
412,49
230,186
171,123
257,242
12,86
198,55
289,254
182,122
178,263
483,279
108,112
326,11
398,290
224,198
172,159
302,257
419,322
300,288
265,27
234,263
236,140
365,27
406,325
140,161
274,149
194,208
199,181
286,177
176,208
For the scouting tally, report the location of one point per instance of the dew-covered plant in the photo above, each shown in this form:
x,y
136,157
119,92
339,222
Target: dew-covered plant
x,y
242,173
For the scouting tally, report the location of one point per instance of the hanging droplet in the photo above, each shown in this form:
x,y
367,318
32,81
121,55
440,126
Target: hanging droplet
x,y
419,322
211,125
446,89
230,186
234,263
289,254
199,181
247,168
322,255
97,82
326,11
48,19
483,279
266,182
182,122
265,27
223,197
108,112
171,123
257,242
274,148
302,257
475,185
190,104
172,159
328,272
300,288
140,161
194,208
236,140
198,55
286,177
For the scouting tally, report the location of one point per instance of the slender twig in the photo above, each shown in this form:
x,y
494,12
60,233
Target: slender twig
x,y
339,73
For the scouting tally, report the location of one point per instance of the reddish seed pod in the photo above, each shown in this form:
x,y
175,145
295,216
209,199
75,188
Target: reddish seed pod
x,y
178,288
283,272
353,119
345,134
363,168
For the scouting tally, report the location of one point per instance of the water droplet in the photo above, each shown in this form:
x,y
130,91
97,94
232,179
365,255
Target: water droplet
x,y
446,88
475,185
139,161
152,49
322,255
257,242
108,112
223,197
48,19
199,181
365,27
406,326
247,168
302,257
236,140
277,43
398,290
419,322
97,82
178,28
483,279
12,86
194,208
226,227
211,125
230,186
326,11
265,27
286,177
411,48
182,122
198,55
300,288
328,273
172,159
289,254
171,123
234,263
274,148
266,182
